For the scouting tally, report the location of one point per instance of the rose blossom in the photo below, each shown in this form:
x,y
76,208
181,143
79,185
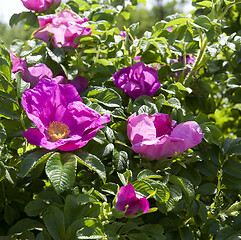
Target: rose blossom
x,y
40,5
63,121
137,80
157,135
62,28
127,196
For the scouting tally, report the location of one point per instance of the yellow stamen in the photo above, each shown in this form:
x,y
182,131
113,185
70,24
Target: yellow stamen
x,y
57,130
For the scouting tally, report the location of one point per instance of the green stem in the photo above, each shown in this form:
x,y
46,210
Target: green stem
x,y
215,202
227,8
203,44
97,54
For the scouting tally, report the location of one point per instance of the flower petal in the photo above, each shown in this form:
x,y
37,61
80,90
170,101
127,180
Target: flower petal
x,y
190,132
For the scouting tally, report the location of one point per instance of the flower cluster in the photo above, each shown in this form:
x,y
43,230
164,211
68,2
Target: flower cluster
x,y
64,122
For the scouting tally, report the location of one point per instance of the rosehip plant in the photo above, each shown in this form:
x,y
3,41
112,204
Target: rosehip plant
x,y
106,135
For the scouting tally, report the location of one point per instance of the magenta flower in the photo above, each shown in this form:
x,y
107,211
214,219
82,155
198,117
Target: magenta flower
x,y
63,121
127,196
62,28
40,5
137,80
158,136
122,34
18,64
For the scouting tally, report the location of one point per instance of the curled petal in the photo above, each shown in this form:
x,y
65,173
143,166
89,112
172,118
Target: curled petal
x,y
127,197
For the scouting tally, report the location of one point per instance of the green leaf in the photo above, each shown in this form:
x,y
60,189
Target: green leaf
x,y
3,134
186,234
182,88
108,97
70,209
125,177
205,4
232,168
155,231
162,193
134,29
120,160
5,68
232,146
177,21
110,188
146,174
31,159
207,189
2,171
91,230
185,184
92,162
35,207
57,55
62,176
54,221
23,225
204,22
173,102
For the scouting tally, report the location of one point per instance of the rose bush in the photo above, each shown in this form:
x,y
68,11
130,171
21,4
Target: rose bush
x,y
158,136
93,120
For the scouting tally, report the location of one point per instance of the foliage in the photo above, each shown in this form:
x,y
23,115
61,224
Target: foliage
x,y
51,194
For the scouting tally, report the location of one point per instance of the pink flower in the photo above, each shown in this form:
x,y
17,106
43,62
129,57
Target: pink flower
x,y
40,5
18,64
35,73
190,60
137,80
158,136
122,34
127,196
63,121
62,28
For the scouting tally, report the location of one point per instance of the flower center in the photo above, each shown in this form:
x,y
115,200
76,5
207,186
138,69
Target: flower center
x,y
57,130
